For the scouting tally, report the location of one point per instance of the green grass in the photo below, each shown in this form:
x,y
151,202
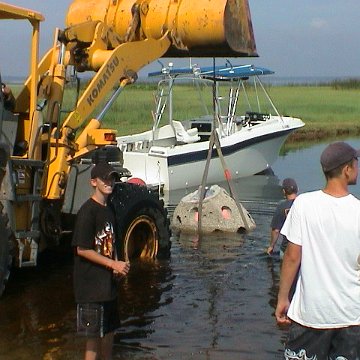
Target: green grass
x,y
131,112
328,110
319,106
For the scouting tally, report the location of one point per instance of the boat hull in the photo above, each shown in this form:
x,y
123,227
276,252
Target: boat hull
x,y
246,153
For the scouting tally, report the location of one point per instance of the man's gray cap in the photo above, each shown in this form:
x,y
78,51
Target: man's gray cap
x,y
336,154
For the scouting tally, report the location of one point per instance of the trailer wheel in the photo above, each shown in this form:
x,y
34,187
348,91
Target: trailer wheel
x,y
6,242
142,224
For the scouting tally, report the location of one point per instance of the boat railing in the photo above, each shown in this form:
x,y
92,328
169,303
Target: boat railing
x,y
227,120
270,100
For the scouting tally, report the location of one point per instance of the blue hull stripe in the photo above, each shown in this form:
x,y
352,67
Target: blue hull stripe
x,y
226,150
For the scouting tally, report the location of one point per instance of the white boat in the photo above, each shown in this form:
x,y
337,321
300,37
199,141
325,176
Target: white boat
x,y
172,155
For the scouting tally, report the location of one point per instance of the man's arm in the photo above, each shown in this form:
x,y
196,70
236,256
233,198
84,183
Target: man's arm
x,y
119,267
273,240
289,269
277,221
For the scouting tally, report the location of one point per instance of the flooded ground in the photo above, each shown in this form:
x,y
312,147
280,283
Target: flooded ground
x,y
213,299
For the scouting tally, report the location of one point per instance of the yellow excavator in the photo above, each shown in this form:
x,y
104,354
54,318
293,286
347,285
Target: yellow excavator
x,y
47,152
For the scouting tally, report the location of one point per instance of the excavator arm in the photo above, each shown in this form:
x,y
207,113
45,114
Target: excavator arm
x,y
116,71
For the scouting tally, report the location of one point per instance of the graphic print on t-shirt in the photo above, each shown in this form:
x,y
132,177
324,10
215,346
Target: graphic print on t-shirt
x,y
104,240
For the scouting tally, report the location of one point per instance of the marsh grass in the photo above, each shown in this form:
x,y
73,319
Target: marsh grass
x,y
352,83
328,110
323,109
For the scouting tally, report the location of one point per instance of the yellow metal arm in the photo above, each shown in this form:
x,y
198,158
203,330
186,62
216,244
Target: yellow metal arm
x,y
126,59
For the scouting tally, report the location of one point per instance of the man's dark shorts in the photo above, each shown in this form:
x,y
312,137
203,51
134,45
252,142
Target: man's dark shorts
x,y
323,344
97,319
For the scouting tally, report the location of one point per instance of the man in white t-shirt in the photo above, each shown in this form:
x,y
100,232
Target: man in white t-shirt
x,y
323,229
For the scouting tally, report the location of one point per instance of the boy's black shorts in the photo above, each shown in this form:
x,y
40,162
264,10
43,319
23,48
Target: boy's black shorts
x,y
323,344
97,319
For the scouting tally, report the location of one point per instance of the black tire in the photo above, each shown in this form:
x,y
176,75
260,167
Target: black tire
x,y
50,223
142,224
6,242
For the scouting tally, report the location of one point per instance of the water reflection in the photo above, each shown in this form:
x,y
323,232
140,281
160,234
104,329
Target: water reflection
x,y
216,300
304,166
37,311
141,293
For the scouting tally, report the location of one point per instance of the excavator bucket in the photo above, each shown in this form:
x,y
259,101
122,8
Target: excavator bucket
x,y
202,28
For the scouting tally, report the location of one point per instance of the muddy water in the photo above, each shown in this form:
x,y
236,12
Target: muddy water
x,y
213,299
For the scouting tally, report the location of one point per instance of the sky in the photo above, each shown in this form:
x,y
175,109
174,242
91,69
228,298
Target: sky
x,y
293,38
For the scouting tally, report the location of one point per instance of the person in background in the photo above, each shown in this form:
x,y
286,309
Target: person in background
x,y
9,99
96,265
323,253
290,191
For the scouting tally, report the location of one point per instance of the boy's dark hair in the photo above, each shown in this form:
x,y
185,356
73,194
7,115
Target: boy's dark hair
x,y
289,186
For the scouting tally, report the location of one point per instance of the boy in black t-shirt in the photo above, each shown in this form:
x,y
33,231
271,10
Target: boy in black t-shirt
x,y
95,265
